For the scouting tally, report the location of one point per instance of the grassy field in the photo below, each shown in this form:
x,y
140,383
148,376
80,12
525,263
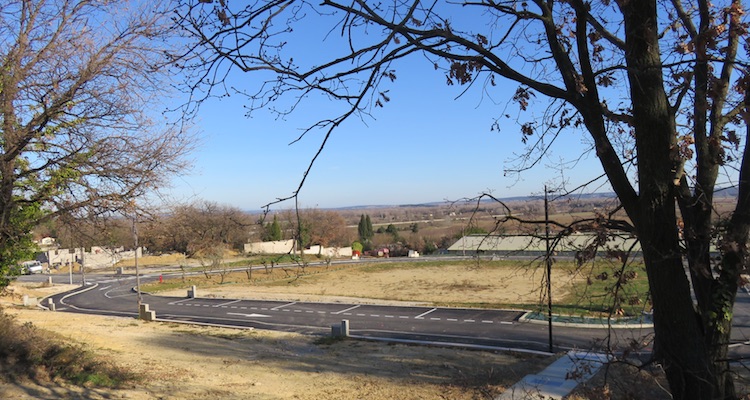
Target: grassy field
x,y
602,289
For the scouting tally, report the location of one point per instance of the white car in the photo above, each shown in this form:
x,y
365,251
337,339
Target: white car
x,y
32,267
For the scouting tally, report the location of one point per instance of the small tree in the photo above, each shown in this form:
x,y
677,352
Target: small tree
x,y
368,227
272,231
364,229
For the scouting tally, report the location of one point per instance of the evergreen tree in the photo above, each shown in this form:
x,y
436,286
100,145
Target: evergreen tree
x,y
362,228
365,229
275,230
368,226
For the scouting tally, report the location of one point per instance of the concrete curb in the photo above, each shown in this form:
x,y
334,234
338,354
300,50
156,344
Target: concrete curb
x,y
558,379
602,325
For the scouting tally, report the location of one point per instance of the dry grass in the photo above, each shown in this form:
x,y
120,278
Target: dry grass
x,y
30,353
459,283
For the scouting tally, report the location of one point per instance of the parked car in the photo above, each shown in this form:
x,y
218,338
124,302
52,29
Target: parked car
x,y
31,267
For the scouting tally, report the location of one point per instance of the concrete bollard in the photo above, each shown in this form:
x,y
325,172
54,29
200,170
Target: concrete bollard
x,y
341,329
120,271
49,280
192,292
345,327
145,314
51,305
26,300
336,330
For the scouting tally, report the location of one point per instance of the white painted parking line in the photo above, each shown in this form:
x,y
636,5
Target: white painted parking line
x,y
506,323
250,315
227,303
487,322
421,316
172,303
346,310
283,305
469,320
106,287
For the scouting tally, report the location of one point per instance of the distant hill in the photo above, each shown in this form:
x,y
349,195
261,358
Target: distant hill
x,y
723,192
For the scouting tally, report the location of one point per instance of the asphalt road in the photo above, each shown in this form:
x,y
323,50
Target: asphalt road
x,y
476,328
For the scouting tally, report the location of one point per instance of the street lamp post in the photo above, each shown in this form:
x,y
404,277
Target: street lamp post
x,y
548,261
137,273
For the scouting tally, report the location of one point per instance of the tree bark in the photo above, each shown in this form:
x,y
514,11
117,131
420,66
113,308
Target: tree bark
x,y
680,344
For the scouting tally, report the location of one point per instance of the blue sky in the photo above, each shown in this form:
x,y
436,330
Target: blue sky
x,y
423,146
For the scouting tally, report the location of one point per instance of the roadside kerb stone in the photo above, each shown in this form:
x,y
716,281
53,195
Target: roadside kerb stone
x,y
558,379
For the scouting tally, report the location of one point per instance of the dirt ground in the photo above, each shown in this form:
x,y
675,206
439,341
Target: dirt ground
x,y
412,283
179,361
186,362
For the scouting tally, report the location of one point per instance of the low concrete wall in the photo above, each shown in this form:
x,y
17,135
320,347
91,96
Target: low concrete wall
x,y
286,246
275,247
98,257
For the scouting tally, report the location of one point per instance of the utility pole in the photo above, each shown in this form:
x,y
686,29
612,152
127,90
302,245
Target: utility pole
x,y
83,266
137,273
548,261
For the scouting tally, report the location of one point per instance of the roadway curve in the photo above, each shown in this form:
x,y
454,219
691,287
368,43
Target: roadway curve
x,y
476,328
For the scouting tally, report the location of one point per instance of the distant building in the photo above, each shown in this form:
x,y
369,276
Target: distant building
x,y
513,244
97,257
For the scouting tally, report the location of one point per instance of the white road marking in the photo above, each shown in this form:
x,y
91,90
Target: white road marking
x,y
346,310
250,315
284,305
179,301
227,303
421,316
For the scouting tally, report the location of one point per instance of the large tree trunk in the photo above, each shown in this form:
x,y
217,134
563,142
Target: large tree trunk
x,y
681,345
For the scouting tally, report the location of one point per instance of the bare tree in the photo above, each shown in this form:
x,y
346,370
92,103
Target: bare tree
x,y
659,88
79,80
203,226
